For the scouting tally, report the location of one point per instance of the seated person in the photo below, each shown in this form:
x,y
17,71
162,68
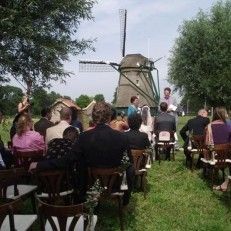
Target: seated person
x,y
165,122
118,125
25,138
136,139
194,126
44,123
60,147
98,147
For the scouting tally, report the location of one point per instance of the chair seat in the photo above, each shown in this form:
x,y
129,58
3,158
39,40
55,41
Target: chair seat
x,y
168,143
22,222
211,162
22,190
228,160
229,177
193,150
79,225
64,193
117,194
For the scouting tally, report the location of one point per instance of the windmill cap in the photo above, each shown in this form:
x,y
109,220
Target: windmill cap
x,y
134,61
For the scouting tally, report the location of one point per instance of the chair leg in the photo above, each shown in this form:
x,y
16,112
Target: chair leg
x,y
192,163
33,203
144,184
120,207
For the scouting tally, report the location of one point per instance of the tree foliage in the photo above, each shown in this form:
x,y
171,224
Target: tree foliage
x,y
99,97
36,36
83,100
200,63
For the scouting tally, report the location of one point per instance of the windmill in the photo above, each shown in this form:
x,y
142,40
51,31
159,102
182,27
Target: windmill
x,y
135,73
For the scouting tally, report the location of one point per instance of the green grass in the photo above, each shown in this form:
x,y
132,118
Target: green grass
x,y
177,199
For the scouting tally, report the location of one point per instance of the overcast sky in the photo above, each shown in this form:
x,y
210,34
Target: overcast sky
x,y
156,21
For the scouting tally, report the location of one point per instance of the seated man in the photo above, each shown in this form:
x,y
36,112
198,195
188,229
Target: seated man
x,y
44,123
194,126
99,147
136,139
165,122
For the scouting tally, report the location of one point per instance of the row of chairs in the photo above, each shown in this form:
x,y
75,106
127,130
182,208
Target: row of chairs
x,y
52,182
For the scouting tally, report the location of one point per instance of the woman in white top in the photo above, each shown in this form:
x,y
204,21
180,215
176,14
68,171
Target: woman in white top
x,y
147,122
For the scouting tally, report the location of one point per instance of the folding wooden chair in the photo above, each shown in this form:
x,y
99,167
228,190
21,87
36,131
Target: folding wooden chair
x,y
10,220
110,179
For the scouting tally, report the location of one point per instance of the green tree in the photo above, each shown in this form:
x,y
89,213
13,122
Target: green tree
x,y
99,97
200,60
37,36
10,96
83,100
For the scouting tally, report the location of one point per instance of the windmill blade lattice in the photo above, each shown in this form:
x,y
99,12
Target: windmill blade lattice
x,y
96,66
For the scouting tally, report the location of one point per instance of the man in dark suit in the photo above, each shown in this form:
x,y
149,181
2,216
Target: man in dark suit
x,y
194,126
44,123
99,147
165,122
136,139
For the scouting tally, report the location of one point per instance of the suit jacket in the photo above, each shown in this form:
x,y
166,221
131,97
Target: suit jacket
x,y
42,125
56,131
196,126
137,139
164,122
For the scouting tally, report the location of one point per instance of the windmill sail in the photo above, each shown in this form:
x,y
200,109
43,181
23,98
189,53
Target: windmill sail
x,y
123,28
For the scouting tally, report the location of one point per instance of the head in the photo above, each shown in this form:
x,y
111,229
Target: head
x,y
135,101
134,121
101,113
24,124
203,113
46,112
167,92
71,133
220,113
25,98
114,114
65,114
163,106
144,114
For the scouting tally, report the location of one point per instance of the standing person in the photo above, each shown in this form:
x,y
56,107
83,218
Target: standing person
x,y
44,123
133,107
57,130
24,105
74,120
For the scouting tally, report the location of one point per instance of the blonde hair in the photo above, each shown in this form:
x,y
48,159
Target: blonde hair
x,y
23,123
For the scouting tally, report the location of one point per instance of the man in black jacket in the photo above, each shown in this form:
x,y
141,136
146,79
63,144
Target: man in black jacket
x,y
194,126
165,122
99,147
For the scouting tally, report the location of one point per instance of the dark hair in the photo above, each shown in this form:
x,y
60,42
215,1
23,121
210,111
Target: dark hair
x,y
168,89
163,106
45,111
220,113
134,121
114,113
71,133
101,112
133,98
65,113
73,114
144,115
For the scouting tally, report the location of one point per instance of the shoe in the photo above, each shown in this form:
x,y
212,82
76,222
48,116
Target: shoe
x,y
219,188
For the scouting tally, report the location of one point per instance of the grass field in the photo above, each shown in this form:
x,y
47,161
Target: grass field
x,y
177,199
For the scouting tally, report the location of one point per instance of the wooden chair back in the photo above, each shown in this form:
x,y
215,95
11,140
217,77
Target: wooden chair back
x,y
10,177
110,179
24,159
9,207
198,142
222,152
47,212
140,158
53,182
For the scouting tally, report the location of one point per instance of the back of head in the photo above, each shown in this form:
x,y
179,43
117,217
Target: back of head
x,y
101,113
114,114
163,106
71,133
220,113
134,121
45,111
65,114
23,124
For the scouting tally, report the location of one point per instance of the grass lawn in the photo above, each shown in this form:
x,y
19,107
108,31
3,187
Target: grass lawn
x,y
177,199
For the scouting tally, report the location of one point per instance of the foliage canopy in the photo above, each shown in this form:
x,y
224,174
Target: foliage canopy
x,y
200,62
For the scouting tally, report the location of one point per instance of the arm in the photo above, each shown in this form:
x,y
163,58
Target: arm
x,y
21,108
183,132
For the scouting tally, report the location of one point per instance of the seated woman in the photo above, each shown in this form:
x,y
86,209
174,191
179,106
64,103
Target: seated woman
x,y
60,147
136,139
119,125
25,138
147,122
